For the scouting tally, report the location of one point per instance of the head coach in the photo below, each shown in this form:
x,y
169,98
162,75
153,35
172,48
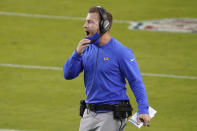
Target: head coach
x,y
106,64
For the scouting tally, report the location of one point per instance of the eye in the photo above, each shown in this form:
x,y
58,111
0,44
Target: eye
x,y
89,21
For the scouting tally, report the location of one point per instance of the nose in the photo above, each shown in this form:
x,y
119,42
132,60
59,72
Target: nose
x,y
85,25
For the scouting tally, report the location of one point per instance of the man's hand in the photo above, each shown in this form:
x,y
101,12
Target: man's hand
x,y
82,45
145,118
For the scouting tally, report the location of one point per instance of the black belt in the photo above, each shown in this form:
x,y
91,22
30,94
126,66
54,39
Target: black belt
x,y
95,107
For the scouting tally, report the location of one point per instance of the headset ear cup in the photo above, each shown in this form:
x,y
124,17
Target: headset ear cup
x,y
106,25
101,26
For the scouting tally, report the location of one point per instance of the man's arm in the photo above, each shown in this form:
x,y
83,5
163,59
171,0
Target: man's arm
x,y
73,67
130,69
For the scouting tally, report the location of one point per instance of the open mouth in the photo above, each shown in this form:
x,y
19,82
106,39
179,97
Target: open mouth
x,y
87,33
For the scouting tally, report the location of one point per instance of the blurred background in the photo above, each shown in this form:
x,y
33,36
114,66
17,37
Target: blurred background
x,y
33,40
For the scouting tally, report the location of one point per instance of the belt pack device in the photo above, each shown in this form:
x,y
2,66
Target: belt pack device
x,y
120,111
82,107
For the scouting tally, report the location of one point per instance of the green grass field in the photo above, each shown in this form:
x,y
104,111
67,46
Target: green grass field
x,y
41,100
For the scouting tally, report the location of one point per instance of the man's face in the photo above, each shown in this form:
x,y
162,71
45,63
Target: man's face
x,y
91,25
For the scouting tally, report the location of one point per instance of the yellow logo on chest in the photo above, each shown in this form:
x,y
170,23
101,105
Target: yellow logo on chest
x,y
106,58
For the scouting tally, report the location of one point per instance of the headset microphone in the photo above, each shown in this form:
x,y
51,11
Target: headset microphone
x,y
97,37
92,41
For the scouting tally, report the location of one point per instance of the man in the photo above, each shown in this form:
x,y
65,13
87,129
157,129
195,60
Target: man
x,y
106,63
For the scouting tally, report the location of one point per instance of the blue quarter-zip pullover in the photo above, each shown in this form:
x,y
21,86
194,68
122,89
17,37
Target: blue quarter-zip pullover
x,y
105,69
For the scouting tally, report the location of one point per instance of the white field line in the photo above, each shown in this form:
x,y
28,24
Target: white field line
x,y
30,66
9,130
168,75
56,17
60,69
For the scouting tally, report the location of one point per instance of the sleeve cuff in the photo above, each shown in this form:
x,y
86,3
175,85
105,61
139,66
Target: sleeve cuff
x,y
75,54
143,110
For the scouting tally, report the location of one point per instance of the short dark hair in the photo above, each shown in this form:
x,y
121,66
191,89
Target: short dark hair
x,y
95,9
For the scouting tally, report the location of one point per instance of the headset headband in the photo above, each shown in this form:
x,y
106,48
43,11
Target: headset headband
x,y
102,12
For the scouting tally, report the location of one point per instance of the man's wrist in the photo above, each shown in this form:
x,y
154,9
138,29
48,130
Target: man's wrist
x,y
76,54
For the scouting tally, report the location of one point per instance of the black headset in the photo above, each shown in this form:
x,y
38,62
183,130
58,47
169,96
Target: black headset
x,y
104,23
